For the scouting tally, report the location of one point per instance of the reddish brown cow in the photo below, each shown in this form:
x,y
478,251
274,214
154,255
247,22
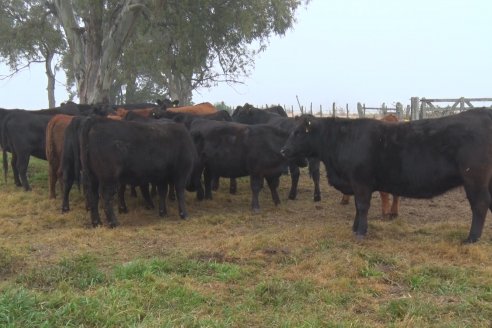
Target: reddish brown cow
x,y
388,211
198,109
144,112
55,135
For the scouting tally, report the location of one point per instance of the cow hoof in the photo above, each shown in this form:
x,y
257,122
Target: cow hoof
x,y
317,198
122,210
255,210
65,209
113,225
469,240
359,238
183,216
96,224
149,207
232,191
292,196
162,213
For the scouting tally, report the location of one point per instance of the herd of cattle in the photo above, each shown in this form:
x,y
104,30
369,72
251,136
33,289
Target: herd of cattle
x,y
165,149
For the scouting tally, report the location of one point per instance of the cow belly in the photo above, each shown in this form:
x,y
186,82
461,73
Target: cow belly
x,y
424,186
228,169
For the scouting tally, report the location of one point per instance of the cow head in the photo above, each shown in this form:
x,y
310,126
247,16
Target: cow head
x,y
167,103
300,139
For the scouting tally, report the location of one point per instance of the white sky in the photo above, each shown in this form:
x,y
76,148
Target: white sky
x,y
348,51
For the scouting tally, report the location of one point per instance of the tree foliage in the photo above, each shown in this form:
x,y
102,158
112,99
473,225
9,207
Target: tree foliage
x,y
137,50
28,35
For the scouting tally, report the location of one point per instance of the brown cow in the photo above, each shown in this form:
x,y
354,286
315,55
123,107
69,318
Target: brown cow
x,y
55,134
198,109
388,211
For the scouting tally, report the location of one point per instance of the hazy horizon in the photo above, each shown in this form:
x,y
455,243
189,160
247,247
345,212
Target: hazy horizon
x,y
346,51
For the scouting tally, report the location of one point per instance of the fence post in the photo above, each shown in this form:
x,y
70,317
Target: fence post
x,y
399,111
334,110
360,110
414,108
320,110
423,108
346,107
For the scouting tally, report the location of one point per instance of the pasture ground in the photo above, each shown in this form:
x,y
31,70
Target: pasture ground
x,y
295,265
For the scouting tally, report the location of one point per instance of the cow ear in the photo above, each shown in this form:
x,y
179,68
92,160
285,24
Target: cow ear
x,y
309,125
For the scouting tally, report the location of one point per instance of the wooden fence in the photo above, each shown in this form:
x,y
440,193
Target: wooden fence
x,y
419,108
426,108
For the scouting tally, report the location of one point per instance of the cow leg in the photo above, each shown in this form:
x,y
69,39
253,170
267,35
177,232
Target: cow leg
x,y
144,189
196,183
180,195
273,183
345,199
15,171
52,177
232,186
22,164
92,200
153,190
385,205
395,207
480,201
362,199
294,180
108,191
172,193
122,208
68,179
314,173
215,183
133,191
389,212
256,183
162,192
207,181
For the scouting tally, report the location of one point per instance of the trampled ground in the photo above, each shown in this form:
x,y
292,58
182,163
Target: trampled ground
x,y
295,265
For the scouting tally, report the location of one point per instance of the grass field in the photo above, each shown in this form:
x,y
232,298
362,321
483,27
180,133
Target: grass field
x,y
295,265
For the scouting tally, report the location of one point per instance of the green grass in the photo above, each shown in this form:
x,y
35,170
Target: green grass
x,y
295,265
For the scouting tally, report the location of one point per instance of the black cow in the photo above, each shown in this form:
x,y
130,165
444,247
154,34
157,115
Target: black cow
x,y
232,150
114,152
24,135
251,115
419,159
187,119
274,109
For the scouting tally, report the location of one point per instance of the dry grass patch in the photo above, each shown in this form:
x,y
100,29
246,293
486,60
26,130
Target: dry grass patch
x,y
295,265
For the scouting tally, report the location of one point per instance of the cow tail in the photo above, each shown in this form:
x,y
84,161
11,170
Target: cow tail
x,y
4,150
76,152
50,154
5,164
84,146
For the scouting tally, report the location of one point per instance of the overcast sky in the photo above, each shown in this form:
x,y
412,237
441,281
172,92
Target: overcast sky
x,y
348,51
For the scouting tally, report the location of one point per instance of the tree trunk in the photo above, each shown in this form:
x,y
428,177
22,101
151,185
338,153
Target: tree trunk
x,y
180,88
95,55
51,79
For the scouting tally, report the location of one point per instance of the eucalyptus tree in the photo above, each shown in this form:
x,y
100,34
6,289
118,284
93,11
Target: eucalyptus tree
x,y
29,34
132,50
